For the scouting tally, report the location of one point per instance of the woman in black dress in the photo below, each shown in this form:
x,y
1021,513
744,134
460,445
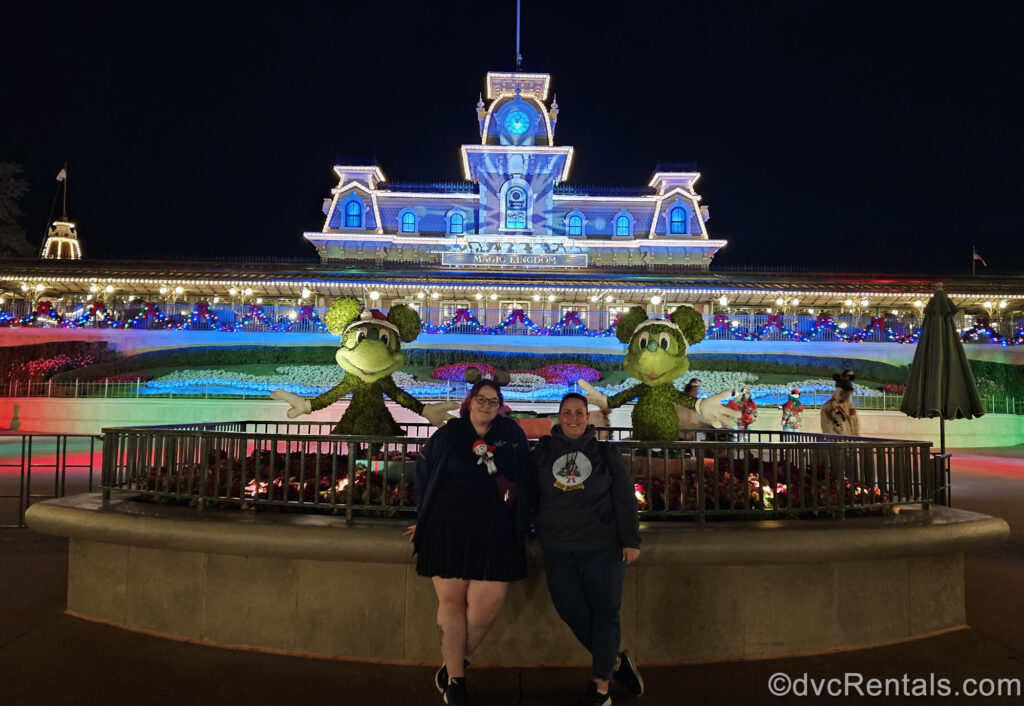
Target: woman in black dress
x,y
469,538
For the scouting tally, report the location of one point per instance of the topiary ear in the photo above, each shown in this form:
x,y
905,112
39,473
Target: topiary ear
x,y
407,321
628,323
342,312
472,374
690,323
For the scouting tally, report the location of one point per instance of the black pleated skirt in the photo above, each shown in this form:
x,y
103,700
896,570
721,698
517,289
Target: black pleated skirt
x,y
469,533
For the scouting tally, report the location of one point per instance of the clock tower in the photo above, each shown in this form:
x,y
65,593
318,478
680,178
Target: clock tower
x,y
516,164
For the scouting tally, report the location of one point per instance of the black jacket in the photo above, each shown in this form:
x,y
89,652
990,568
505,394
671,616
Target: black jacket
x,y
591,507
512,459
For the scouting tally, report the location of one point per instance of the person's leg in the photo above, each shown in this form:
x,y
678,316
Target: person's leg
x,y
603,574
451,622
483,603
566,588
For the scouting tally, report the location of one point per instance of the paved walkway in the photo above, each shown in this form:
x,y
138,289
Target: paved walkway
x,y
47,657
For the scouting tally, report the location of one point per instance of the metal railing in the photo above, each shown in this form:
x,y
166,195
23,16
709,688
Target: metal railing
x,y
29,457
729,474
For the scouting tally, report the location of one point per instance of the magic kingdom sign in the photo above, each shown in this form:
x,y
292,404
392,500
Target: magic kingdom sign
x,y
484,259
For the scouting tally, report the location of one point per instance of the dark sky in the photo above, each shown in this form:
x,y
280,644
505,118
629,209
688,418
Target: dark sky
x,y
861,134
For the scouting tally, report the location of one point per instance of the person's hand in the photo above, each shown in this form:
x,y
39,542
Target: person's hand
x,y
409,531
715,413
297,405
630,554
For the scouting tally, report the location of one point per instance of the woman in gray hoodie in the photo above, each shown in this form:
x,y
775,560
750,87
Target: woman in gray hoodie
x,y
586,521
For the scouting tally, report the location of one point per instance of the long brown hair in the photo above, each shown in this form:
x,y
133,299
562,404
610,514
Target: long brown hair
x,y
475,390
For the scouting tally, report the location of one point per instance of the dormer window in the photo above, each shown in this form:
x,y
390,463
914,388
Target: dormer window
x,y
575,224
677,220
621,226
407,221
354,214
456,224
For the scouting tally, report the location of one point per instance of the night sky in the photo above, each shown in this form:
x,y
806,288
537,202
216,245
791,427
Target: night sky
x,y
882,135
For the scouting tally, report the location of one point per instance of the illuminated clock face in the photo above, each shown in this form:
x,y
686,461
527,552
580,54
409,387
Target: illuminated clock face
x,y
517,122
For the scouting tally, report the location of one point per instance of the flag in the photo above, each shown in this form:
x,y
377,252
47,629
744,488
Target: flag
x,y
62,174
978,257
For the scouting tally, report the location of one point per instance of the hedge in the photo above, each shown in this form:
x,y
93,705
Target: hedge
x,y
12,357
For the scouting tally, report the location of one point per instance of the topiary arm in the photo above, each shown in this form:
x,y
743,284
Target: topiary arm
x,y
333,395
399,395
626,395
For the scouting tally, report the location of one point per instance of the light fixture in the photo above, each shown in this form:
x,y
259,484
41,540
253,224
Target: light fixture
x,y
769,310
292,315
24,287
796,302
863,302
1,301
305,293
435,295
811,312
478,296
163,289
848,302
1002,304
421,295
374,295
93,288
918,303
895,313
247,291
609,299
780,301
593,298
987,305
493,296
216,300
109,289
232,291
536,297
39,287
259,300
179,289
655,300
723,300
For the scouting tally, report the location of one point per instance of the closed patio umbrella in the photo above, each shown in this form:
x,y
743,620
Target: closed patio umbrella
x,y
941,383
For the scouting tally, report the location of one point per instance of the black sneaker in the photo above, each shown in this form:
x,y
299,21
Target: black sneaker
x,y
628,675
593,697
441,677
455,692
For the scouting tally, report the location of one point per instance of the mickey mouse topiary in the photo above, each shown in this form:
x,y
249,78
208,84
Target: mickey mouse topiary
x,y
657,356
370,352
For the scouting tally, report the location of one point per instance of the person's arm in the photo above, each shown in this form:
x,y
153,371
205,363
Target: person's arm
x,y
623,493
537,464
426,465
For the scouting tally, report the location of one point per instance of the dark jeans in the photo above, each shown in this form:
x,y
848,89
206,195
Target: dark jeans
x,y
586,588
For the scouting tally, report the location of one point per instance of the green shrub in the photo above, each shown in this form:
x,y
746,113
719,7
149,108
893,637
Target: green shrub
x,y
12,357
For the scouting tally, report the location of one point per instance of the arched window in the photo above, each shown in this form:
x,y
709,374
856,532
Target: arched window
x,y
353,214
456,224
515,207
408,222
575,225
622,225
677,220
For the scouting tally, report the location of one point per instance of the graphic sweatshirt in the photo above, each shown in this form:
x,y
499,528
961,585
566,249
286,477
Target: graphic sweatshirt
x,y
583,494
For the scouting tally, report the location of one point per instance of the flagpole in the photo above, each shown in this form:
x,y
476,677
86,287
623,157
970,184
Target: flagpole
x,y
64,210
974,261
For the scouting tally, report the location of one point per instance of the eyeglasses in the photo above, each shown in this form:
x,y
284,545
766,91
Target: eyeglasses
x,y
486,401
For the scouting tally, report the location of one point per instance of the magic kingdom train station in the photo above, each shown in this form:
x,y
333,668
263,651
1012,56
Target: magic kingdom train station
x,y
514,259
515,248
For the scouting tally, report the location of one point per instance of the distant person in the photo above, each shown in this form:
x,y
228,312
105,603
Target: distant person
x,y
792,411
588,528
747,408
838,415
692,388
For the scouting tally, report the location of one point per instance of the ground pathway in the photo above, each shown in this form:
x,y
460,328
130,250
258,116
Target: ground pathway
x,y
49,658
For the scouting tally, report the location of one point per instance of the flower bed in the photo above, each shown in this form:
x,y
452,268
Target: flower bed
x,y
568,373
